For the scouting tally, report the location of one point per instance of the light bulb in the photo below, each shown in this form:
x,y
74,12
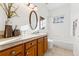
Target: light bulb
x,y
31,6
35,8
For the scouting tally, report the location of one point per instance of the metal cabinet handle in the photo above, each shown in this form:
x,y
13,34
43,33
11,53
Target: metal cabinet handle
x,y
31,43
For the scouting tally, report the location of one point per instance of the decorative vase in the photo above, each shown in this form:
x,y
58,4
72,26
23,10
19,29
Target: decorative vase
x,y
8,22
8,28
8,31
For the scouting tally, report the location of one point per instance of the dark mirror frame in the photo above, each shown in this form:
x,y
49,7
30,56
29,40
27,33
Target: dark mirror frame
x,y
33,28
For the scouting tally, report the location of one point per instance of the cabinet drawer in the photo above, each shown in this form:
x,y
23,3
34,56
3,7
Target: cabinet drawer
x,y
30,44
46,37
13,51
40,40
31,51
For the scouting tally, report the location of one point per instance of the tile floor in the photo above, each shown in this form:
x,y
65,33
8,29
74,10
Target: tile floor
x,y
57,51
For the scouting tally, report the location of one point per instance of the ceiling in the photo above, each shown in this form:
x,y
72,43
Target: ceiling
x,y
52,6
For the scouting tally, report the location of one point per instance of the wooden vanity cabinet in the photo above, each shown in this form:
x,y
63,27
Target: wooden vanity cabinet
x,y
40,47
31,48
31,51
36,47
13,51
45,44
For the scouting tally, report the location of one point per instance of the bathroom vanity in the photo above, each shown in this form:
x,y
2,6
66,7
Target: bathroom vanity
x,y
34,45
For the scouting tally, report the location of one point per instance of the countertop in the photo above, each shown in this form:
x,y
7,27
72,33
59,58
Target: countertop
x,y
9,42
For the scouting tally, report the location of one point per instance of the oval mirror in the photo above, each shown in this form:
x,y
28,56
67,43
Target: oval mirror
x,y
33,20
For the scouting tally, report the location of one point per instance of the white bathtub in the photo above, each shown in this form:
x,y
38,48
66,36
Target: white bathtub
x,y
59,43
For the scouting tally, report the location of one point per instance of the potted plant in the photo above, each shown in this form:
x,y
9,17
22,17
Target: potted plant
x,y
10,11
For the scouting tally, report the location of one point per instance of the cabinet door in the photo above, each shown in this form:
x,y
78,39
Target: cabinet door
x,y
31,51
45,44
40,47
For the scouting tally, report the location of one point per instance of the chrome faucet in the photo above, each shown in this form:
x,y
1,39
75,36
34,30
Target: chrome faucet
x,y
36,32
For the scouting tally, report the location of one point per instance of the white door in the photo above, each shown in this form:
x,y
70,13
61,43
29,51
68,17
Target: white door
x,y
76,41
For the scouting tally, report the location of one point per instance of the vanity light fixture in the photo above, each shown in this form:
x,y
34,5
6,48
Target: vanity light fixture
x,y
32,6
35,8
